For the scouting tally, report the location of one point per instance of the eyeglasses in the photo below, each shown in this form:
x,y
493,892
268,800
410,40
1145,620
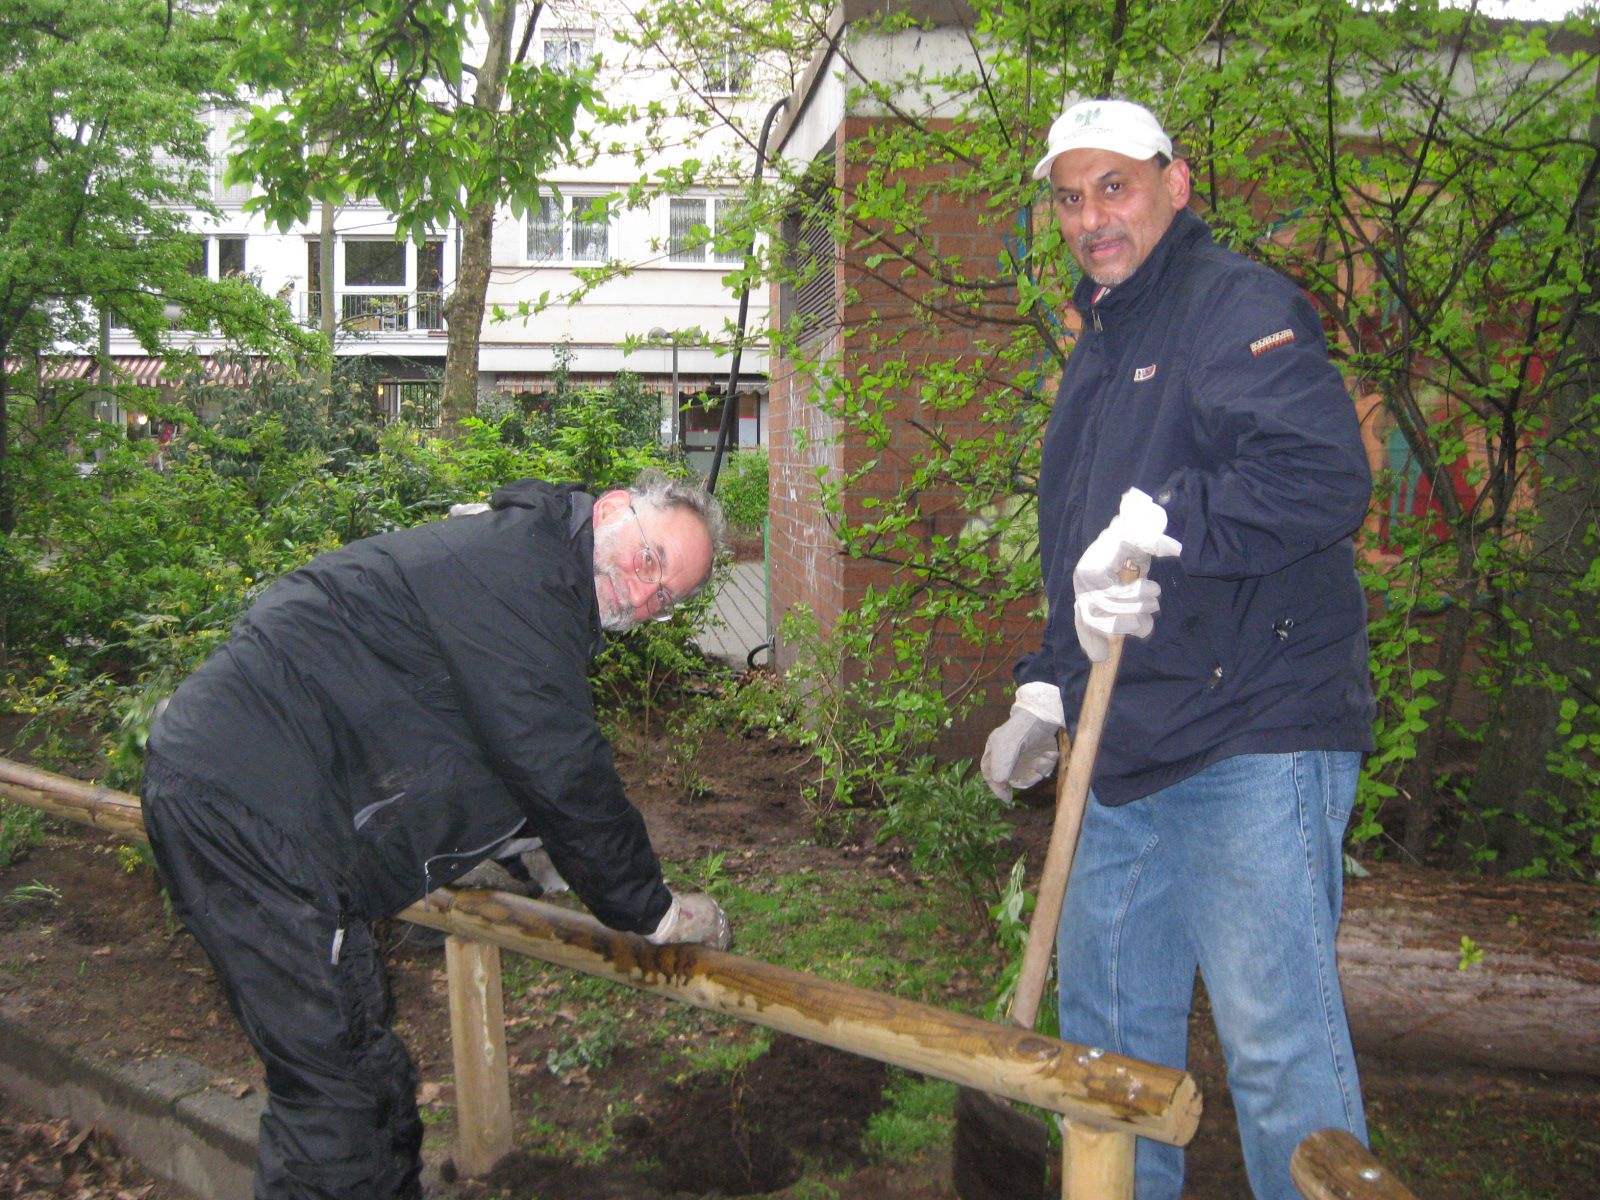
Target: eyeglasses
x,y
647,566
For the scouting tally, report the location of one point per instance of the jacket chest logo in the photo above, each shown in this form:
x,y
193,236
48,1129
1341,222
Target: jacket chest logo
x,y
1140,374
1271,342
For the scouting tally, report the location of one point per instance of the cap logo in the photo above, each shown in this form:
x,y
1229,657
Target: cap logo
x,y
1271,342
1088,116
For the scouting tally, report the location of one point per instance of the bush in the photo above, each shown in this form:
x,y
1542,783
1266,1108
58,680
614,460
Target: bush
x,y
117,584
742,489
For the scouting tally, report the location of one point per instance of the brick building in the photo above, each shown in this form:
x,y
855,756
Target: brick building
x,y
865,322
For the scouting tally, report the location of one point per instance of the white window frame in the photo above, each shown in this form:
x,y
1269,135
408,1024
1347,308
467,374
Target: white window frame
x,y
706,254
573,203
219,140
214,253
567,49
726,72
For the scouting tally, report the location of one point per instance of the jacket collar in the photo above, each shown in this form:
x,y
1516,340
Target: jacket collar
x,y
1129,295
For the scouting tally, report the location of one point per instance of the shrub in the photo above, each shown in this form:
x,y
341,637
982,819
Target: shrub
x,y
742,489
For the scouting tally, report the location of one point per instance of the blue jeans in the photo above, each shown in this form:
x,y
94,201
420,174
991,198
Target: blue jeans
x,y
1237,870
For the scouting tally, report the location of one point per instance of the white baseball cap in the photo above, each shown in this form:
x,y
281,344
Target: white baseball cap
x,y
1115,125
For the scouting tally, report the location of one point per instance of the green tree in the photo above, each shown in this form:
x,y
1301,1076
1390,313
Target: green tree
x,y
1428,175
103,142
1425,174
430,107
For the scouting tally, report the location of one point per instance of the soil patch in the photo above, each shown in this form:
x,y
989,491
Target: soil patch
x,y
88,954
749,1134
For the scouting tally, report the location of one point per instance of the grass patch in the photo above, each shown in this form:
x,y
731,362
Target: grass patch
x,y
21,829
550,1137
724,1056
870,932
918,1118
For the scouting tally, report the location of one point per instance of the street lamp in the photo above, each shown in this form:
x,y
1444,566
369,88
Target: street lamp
x,y
657,334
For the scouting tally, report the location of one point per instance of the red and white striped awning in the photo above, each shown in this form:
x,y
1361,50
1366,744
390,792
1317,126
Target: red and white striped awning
x,y
142,370
688,385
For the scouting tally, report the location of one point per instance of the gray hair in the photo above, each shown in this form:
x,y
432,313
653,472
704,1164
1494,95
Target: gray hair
x,y
664,493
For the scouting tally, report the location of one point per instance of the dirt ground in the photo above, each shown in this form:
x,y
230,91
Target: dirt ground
x,y
104,967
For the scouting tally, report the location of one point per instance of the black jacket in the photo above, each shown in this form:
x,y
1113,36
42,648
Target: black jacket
x,y
399,706
1204,381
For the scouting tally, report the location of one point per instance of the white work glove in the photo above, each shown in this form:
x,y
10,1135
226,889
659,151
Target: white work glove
x,y
470,509
519,865
1022,751
1102,604
694,917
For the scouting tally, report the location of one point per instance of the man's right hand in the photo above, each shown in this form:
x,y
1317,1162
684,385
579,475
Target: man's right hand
x,y
1022,751
1104,604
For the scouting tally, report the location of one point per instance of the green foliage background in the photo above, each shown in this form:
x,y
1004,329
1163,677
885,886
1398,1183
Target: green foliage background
x,y
1427,174
119,582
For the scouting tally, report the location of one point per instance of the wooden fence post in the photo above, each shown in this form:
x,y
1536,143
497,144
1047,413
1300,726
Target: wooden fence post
x,y
1096,1164
478,1043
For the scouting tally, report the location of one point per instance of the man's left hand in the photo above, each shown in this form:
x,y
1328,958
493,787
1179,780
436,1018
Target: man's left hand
x,y
694,917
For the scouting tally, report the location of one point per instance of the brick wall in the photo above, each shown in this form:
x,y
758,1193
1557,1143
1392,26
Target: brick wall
x,y
874,308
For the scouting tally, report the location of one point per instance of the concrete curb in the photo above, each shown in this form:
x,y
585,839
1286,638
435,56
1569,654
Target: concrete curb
x,y
162,1111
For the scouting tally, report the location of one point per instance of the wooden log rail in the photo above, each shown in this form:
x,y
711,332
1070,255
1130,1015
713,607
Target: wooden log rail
x,y
1331,1165
1105,1091
1111,1099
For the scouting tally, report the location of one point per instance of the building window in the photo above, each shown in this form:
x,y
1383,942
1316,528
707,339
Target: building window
x,y
699,230
568,50
414,401
375,263
384,285
430,284
222,122
726,72
230,256
569,228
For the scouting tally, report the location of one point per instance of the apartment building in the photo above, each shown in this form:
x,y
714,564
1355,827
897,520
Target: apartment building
x,y
667,318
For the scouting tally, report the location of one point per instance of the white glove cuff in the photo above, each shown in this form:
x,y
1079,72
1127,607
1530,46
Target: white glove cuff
x,y
1043,700
669,924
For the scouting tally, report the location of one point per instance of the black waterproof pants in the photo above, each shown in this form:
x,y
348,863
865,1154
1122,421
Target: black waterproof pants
x,y
341,1118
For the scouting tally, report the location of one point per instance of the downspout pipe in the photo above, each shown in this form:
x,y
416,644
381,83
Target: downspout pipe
x,y
730,397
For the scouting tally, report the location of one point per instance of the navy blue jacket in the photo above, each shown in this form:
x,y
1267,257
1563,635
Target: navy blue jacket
x,y
401,705
1204,380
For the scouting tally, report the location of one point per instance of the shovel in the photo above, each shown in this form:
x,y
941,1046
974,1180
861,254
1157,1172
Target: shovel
x,y
1002,1153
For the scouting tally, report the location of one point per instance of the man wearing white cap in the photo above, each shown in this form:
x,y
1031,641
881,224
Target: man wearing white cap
x,y
1200,432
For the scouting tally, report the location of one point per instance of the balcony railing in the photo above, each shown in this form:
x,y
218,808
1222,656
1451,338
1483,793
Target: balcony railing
x,y
379,312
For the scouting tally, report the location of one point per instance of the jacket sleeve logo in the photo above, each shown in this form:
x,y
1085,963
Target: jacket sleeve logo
x,y
1271,342
1140,374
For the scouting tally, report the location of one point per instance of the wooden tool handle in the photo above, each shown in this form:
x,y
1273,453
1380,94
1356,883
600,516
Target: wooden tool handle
x,y
1072,794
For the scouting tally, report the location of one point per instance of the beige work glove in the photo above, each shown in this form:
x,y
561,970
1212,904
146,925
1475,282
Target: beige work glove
x,y
1022,751
694,917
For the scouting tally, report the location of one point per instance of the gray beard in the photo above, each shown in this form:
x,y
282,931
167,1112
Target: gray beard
x,y
613,620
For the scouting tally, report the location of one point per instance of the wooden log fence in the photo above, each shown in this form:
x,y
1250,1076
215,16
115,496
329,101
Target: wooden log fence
x,y
1106,1099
